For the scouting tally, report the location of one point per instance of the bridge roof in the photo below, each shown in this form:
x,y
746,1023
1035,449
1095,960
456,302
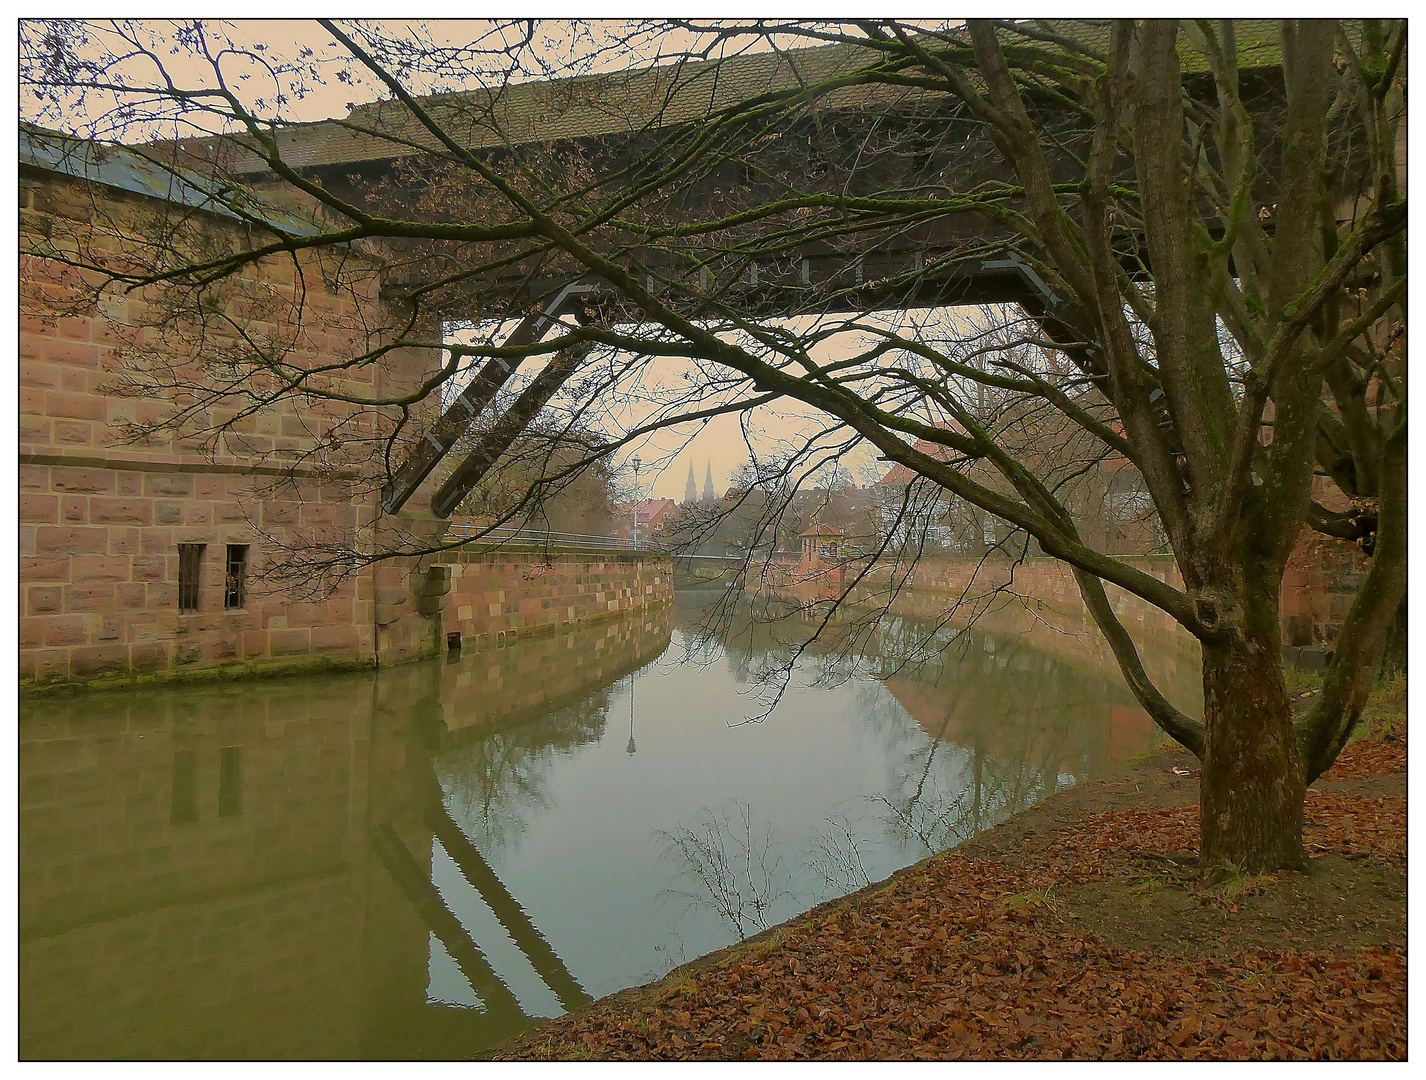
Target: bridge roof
x,y
129,170
623,103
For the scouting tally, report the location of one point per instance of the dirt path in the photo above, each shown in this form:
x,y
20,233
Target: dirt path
x,y
1075,930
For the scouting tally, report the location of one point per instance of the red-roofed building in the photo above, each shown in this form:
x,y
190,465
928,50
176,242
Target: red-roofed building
x,y
652,517
821,554
899,475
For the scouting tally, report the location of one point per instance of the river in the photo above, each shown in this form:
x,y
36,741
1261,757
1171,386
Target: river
x,y
417,863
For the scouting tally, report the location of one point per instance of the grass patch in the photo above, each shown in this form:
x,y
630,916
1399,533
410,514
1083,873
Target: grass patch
x,y
1385,714
1142,756
1034,898
1299,681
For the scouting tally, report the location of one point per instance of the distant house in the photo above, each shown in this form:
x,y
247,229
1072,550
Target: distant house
x,y
934,521
821,554
652,514
1108,500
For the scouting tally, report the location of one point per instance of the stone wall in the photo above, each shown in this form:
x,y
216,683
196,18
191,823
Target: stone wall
x,y
102,512
1049,582
1319,585
1045,611
99,572
495,594
1318,588
1036,601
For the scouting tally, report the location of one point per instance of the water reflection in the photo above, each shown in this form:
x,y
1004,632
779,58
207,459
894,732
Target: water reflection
x,y
416,863
245,871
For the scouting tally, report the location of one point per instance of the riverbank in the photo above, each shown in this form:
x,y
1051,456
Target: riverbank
x,y
1075,930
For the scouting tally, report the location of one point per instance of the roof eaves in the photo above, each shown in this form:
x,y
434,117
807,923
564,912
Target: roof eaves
x,y
122,168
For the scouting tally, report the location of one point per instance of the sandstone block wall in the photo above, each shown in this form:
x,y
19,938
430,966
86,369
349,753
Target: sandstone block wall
x,y
497,593
1321,581
102,512
99,572
1050,581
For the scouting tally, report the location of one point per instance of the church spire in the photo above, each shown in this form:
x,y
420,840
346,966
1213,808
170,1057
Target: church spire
x,y
690,490
708,495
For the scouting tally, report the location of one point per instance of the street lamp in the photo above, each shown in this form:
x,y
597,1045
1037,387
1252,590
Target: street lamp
x,y
634,535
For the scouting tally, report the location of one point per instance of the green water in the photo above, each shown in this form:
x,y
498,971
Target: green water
x,y
419,863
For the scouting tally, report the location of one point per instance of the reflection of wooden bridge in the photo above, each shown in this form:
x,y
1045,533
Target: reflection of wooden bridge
x,y
503,1017
403,837
501,1006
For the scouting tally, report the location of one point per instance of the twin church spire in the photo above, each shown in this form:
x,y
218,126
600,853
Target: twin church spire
x,y
690,490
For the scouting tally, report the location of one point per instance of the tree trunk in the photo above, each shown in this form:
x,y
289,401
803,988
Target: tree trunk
x,y
1393,653
1250,800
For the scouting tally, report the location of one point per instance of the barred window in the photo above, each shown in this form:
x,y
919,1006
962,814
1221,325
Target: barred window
x,y
190,560
235,580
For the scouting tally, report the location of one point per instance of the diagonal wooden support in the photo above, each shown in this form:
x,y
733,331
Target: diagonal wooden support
x,y
478,393
503,435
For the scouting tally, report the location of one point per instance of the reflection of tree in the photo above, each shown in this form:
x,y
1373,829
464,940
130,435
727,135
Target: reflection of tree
x,y
761,641
1018,716
493,782
836,859
731,866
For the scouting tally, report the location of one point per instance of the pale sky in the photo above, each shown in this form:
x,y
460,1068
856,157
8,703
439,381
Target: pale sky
x,y
563,47
725,442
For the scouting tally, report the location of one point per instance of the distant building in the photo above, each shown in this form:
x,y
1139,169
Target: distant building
x,y
933,521
652,517
690,489
821,554
708,495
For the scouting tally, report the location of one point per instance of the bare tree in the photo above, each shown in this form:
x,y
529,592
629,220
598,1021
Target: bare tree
x,y
1202,223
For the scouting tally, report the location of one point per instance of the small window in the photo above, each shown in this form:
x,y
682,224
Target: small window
x,y
230,781
190,560
235,580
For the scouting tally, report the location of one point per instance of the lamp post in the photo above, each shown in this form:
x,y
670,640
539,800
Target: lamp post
x,y
634,535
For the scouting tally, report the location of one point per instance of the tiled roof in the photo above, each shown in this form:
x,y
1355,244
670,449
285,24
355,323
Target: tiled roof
x,y
650,509
589,106
899,475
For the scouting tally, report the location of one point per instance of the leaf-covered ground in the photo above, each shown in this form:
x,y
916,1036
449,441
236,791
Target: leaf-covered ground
x,y
1078,930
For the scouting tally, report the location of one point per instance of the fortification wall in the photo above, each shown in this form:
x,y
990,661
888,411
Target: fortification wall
x,y
104,507
500,593
1321,581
